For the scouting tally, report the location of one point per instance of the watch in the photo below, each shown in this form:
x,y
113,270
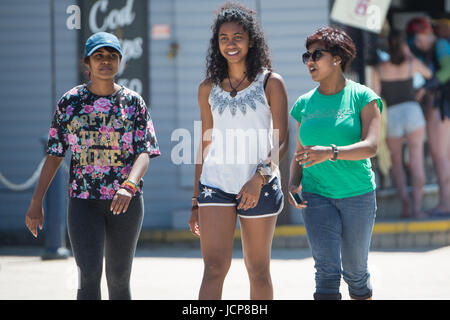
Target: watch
x,y
335,152
265,168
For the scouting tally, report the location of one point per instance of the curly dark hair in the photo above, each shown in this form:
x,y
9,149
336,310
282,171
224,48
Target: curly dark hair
x,y
258,56
337,41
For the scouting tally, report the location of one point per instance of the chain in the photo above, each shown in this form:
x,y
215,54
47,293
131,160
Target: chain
x,y
31,181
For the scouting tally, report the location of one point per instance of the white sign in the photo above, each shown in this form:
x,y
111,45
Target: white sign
x,y
116,18
363,14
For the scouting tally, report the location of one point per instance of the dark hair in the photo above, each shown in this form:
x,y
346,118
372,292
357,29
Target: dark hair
x,y
396,40
337,41
258,56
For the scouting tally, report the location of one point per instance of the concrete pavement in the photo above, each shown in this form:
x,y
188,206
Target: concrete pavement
x,y
173,273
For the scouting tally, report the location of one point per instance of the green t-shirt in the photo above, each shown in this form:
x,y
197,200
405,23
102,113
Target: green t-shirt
x,y
335,119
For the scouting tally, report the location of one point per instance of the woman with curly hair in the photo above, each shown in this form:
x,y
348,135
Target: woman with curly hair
x,y
338,127
240,98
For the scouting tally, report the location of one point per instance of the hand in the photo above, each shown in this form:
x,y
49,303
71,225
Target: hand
x,y
193,222
313,155
34,217
121,201
296,189
250,192
420,94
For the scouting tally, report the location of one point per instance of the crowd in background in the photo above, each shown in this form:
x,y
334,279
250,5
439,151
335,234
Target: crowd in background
x,y
413,77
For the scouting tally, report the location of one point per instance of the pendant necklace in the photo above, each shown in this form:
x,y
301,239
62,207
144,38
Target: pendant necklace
x,y
233,92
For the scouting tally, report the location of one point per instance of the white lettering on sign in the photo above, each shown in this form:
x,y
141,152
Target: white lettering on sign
x,y
131,49
373,17
116,18
74,20
134,84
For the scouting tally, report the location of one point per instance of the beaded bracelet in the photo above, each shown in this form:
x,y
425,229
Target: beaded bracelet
x,y
129,189
134,184
127,185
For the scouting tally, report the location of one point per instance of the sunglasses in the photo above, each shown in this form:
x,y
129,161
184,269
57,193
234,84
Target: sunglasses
x,y
316,55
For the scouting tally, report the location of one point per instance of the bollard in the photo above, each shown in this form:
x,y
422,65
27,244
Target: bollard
x,y
54,221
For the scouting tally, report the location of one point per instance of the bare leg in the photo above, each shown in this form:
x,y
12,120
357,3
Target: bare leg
x,y
257,234
415,149
398,173
217,226
438,133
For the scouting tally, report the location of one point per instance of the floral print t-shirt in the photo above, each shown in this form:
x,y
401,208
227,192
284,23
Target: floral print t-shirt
x,y
105,134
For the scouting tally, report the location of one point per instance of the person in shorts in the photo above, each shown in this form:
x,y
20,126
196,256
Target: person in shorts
x,y
243,107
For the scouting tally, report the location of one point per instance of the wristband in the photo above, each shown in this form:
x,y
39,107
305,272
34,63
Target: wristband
x,y
129,189
129,185
134,184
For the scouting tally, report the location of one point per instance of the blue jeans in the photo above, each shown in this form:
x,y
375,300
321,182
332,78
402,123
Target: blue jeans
x,y
339,233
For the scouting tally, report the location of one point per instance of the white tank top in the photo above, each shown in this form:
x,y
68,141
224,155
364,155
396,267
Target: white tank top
x,y
242,136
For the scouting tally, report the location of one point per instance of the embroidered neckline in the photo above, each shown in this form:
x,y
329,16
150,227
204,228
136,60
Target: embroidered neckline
x,y
246,97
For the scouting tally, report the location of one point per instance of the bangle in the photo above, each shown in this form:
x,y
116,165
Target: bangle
x,y
131,186
134,184
194,198
126,187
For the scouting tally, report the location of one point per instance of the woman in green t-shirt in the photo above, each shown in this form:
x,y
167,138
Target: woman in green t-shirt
x,y
338,127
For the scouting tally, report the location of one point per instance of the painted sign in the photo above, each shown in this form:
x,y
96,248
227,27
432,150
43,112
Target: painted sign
x,y
363,14
128,20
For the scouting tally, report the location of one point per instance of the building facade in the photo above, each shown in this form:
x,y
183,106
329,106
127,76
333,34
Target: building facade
x,y
41,59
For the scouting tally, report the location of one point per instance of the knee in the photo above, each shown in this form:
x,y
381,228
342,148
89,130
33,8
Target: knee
x,y
89,277
259,273
418,175
397,162
118,278
216,268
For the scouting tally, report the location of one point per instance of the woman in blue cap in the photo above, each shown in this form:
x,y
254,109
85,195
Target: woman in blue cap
x,y
111,136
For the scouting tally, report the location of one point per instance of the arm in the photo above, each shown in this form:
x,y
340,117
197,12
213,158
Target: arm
x,y
122,198
277,98
145,146
207,125
366,148
419,67
35,214
296,172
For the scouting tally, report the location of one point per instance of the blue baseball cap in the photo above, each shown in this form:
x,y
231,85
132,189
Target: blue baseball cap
x,y
99,40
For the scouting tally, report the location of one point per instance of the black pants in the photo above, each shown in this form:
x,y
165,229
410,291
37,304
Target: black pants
x,y
94,231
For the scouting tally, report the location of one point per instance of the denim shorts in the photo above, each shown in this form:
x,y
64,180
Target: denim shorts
x,y
270,201
404,118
